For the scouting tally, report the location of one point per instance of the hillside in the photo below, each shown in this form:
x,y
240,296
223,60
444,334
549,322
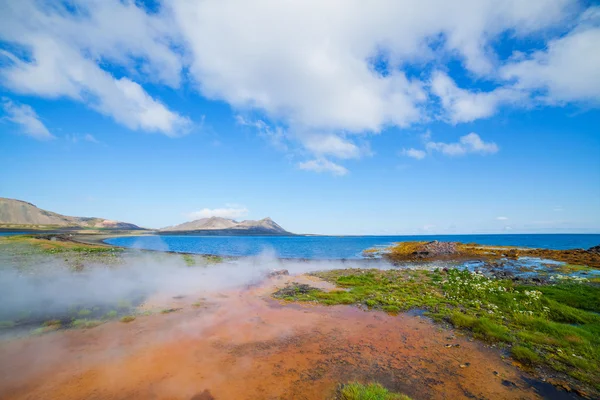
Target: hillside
x,y
218,225
17,213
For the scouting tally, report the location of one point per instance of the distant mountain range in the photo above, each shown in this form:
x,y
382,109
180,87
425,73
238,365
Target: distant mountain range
x,y
218,225
20,214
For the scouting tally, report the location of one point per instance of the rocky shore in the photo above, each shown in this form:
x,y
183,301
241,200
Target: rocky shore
x,y
455,251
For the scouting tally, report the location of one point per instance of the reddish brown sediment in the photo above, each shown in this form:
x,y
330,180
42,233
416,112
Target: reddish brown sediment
x,y
243,345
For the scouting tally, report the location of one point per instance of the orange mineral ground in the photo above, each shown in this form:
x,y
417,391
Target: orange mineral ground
x,y
244,345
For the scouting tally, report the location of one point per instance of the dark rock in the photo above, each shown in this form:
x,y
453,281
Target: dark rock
x,y
595,249
508,383
278,272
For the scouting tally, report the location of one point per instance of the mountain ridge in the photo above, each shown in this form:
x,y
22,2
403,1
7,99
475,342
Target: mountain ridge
x,y
265,225
23,213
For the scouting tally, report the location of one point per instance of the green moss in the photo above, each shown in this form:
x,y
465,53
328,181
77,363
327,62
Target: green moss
x,y
585,297
490,331
85,323
7,324
372,391
213,259
570,268
525,355
190,261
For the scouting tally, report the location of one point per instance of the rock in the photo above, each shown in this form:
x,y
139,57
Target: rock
x,y
595,249
278,272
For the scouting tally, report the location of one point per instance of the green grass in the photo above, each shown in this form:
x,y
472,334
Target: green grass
x,y
190,261
213,259
555,325
372,391
85,323
7,324
525,355
128,318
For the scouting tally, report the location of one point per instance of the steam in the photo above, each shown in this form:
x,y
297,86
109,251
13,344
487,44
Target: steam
x,y
56,290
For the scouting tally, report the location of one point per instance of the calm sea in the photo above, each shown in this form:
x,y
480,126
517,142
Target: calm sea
x,y
333,247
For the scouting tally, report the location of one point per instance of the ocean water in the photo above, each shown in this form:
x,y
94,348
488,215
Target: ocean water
x,y
333,247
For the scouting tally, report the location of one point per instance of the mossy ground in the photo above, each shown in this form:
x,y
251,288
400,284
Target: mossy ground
x,y
372,391
556,326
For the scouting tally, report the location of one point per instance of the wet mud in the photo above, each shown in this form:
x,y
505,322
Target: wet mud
x,y
245,345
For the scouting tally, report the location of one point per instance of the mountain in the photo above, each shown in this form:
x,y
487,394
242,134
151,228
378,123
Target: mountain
x,y
218,225
20,213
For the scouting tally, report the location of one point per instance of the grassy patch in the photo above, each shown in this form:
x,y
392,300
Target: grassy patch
x,y
189,260
84,312
372,391
556,325
128,318
7,324
525,355
85,323
213,259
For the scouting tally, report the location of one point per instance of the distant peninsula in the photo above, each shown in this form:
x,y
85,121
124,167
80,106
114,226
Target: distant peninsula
x,y
226,226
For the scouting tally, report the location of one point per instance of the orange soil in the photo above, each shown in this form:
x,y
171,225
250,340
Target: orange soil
x,y
242,345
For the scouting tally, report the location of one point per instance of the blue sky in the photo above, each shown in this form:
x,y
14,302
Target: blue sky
x,y
329,117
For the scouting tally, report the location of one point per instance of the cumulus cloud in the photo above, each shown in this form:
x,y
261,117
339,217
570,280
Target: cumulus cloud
x,y
470,143
230,211
460,105
467,144
323,165
65,50
414,153
26,117
568,70
320,76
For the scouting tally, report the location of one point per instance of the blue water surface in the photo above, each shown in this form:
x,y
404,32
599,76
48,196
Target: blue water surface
x,y
13,233
333,247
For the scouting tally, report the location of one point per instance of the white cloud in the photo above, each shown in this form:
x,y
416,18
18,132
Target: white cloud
x,y
304,68
307,64
26,117
414,153
470,143
462,105
568,70
501,218
68,48
227,212
329,144
323,165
